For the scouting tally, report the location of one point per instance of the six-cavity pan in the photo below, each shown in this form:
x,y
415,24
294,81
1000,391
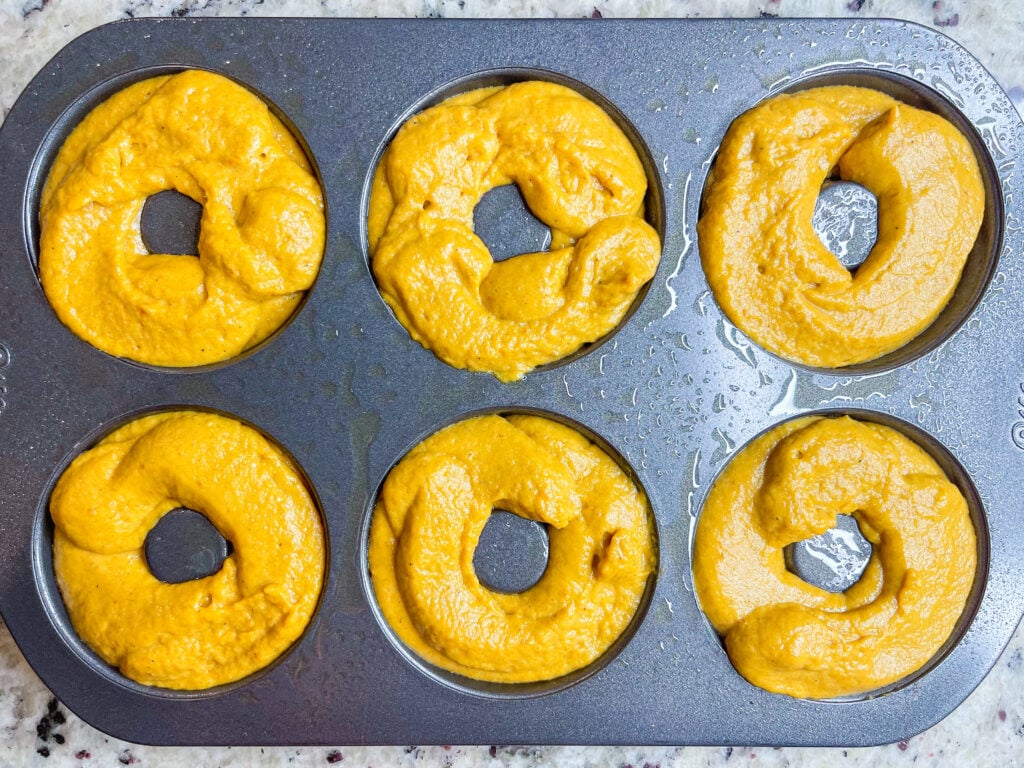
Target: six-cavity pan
x,y
671,394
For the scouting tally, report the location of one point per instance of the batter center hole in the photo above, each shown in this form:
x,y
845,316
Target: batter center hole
x,y
846,221
502,220
170,223
184,546
834,560
512,553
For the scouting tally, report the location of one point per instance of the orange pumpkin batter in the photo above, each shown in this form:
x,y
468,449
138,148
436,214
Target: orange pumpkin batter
x,y
788,485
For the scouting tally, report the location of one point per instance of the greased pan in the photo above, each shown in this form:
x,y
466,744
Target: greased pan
x,y
674,392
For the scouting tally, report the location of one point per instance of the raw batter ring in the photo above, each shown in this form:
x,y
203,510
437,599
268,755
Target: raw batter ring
x,y
791,637
768,269
579,175
424,530
262,231
204,632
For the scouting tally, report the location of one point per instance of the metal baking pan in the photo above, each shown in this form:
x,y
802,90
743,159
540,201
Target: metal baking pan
x,y
675,391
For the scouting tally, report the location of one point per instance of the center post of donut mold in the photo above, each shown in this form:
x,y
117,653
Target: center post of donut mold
x,y
512,553
834,560
183,546
846,221
170,223
507,226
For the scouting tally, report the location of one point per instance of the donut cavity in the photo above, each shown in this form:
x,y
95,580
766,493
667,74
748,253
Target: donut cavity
x,y
579,176
426,528
789,636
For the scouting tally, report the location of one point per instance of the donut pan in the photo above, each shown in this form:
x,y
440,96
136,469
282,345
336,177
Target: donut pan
x,y
674,392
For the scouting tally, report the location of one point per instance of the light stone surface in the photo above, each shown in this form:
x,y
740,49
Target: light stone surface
x,y
36,730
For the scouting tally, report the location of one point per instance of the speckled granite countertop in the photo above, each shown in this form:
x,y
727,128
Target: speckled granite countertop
x,y
35,729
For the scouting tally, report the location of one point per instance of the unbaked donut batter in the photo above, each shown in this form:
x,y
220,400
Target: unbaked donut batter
x,y
578,174
262,230
204,632
788,485
427,522
768,269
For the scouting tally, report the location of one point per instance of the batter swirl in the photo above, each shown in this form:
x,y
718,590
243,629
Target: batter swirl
x,y
205,632
768,269
427,523
578,174
262,231
791,637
